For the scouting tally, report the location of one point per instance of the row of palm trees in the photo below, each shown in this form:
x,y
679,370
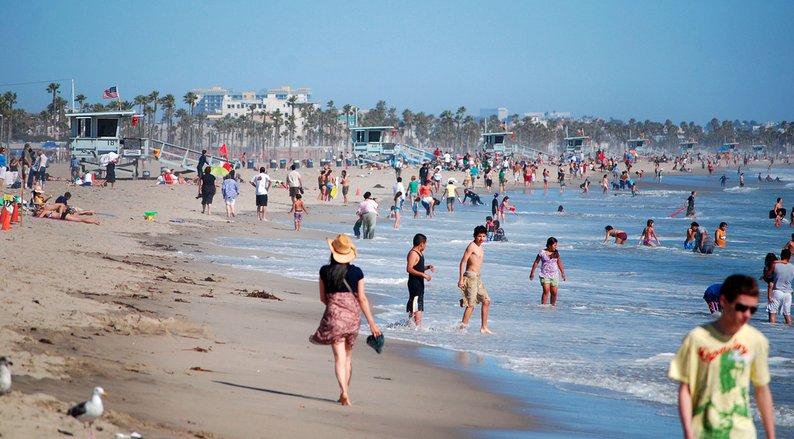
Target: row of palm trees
x,y
313,125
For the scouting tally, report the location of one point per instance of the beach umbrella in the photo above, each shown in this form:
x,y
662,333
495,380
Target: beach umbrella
x,y
104,159
219,171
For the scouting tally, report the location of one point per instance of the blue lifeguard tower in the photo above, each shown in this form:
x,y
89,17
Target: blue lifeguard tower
x,y
96,134
373,143
495,142
575,145
688,146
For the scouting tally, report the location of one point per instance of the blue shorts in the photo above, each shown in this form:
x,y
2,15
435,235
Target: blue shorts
x,y
689,245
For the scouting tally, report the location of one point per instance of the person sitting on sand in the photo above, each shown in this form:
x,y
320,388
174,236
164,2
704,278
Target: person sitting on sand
x,y
619,235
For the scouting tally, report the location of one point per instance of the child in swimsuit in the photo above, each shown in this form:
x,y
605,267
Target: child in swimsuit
x,y
298,208
649,235
398,205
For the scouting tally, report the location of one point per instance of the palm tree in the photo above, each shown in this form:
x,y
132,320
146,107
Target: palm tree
x,y
277,120
154,99
184,124
168,103
80,99
53,89
190,99
10,98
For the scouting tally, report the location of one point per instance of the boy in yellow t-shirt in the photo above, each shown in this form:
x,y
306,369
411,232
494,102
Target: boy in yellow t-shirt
x,y
715,365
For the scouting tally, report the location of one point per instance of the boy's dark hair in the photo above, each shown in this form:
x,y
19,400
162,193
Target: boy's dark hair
x,y
496,224
480,230
694,224
737,284
608,228
399,179
298,196
723,224
367,194
785,254
67,195
262,169
419,238
489,218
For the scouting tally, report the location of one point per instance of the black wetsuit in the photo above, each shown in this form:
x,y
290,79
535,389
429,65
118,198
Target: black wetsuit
x,y
416,287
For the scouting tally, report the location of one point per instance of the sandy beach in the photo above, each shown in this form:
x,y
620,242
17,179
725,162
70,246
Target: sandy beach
x,y
180,347
189,348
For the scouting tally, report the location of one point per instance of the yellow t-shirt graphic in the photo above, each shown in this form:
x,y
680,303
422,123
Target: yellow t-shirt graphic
x,y
718,370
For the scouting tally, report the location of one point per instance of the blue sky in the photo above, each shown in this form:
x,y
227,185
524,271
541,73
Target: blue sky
x,y
682,60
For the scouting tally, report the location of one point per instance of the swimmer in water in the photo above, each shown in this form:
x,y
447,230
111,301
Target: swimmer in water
x,y
619,235
649,235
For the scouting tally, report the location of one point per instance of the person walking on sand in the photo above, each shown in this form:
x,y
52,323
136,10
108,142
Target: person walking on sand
x,y
207,190
261,182
619,235
202,162
297,210
342,293
714,367
550,270
416,279
294,182
230,190
472,289
345,183
648,235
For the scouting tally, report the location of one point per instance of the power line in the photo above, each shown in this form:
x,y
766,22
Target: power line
x,y
35,82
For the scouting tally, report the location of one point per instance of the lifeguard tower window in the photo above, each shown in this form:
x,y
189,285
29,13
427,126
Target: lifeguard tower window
x,y
107,127
374,136
361,136
499,139
82,128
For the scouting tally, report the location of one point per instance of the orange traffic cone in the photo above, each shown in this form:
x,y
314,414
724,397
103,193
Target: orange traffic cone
x,y
15,215
5,218
358,191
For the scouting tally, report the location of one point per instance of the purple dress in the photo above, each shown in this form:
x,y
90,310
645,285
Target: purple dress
x,y
342,317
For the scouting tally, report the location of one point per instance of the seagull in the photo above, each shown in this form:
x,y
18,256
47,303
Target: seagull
x,y
89,411
5,375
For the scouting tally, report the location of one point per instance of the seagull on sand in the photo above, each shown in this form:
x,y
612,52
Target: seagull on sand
x,y
89,411
5,375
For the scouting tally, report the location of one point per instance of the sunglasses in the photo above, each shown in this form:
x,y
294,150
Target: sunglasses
x,y
742,308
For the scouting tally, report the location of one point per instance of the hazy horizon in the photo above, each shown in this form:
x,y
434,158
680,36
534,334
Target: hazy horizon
x,y
614,59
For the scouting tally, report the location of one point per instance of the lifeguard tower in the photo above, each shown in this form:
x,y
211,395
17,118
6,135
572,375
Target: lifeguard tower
x,y
637,145
494,143
758,150
373,143
96,134
729,147
688,146
575,145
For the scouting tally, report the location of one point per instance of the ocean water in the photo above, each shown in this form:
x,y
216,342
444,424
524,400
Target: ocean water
x,y
623,311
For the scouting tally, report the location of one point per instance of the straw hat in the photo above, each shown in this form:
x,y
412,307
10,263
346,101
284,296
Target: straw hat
x,y
38,189
342,249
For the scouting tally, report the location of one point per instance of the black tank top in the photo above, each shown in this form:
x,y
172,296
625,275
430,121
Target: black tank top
x,y
420,267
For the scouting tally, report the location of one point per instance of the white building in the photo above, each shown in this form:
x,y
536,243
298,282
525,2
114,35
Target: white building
x,y
218,102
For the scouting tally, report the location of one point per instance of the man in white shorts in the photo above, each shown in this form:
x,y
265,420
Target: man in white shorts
x,y
779,292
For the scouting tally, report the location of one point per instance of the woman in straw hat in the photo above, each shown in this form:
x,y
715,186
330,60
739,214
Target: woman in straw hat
x,y
342,292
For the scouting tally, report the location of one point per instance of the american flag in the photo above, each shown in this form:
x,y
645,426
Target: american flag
x,y
110,93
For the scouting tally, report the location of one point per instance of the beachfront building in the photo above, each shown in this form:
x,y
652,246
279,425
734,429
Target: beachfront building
x,y
218,102
501,113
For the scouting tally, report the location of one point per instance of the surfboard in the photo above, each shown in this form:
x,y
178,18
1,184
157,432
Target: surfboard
x,y
334,189
677,212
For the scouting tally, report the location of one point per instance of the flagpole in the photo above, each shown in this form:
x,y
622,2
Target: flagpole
x,y
118,96
72,95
